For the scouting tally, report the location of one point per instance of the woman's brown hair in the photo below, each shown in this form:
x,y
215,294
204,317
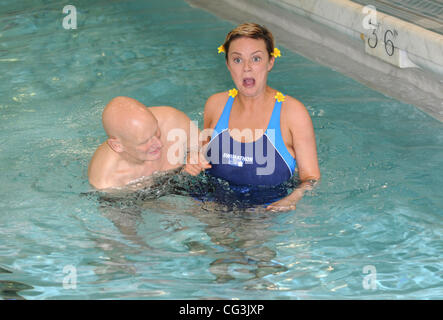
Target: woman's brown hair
x,y
250,30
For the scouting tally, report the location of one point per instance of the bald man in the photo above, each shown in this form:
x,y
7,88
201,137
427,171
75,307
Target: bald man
x,y
141,141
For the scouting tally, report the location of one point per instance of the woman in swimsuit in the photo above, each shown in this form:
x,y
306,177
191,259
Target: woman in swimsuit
x,y
259,134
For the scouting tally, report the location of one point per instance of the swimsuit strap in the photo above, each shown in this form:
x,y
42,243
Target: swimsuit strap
x,y
276,137
223,121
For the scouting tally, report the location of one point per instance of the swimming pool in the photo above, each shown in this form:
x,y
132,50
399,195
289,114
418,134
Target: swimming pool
x,y
371,230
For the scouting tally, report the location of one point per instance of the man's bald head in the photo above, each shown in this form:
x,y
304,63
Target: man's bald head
x,y
125,118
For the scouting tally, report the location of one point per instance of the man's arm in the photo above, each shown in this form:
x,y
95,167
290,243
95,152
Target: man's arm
x,y
98,168
195,161
213,109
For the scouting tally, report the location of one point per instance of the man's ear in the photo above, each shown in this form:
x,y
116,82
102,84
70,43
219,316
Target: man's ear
x,y
115,144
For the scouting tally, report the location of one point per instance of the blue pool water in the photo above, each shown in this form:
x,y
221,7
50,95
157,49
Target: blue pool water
x,y
372,229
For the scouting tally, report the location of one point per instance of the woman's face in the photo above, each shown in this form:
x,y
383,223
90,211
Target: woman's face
x,y
249,64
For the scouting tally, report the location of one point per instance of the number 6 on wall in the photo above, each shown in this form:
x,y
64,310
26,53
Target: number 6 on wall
x,y
389,45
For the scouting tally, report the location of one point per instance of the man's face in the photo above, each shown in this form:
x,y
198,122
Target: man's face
x,y
146,144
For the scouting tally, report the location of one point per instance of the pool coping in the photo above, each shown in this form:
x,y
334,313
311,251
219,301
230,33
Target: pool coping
x,y
307,26
420,14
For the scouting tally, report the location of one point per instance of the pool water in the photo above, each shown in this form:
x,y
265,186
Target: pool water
x,y
372,229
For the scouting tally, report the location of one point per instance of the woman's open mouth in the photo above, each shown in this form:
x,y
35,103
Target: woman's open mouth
x,y
248,82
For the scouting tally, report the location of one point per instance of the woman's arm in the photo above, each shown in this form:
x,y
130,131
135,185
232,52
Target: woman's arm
x,y
305,149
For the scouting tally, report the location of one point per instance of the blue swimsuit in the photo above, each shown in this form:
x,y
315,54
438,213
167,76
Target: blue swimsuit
x,y
255,171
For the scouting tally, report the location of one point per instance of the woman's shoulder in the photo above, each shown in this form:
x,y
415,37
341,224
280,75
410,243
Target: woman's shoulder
x,y
294,113
218,98
293,107
216,102
214,108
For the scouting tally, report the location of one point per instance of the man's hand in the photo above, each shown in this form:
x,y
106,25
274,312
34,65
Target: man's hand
x,y
196,163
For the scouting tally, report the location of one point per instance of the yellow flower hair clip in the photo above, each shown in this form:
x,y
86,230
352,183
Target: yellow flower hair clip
x,y
279,96
276,53
233,92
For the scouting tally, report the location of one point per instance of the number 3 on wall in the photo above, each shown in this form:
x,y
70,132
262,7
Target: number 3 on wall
x,y
375,41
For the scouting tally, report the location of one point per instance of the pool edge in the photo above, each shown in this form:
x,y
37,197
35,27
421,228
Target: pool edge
x,y
342,50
